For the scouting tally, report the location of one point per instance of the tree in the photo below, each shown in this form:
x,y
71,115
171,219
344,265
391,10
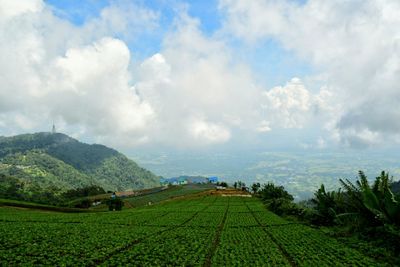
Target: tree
x,y
278,200
223,184
327,205
115,204
239,185
255,187
270,191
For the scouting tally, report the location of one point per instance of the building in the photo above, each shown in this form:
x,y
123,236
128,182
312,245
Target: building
x,y
173,181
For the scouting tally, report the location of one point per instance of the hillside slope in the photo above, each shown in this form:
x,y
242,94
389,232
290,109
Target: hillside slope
x,y
45,160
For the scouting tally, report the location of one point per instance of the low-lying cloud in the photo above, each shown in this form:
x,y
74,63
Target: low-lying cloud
x,y
353,44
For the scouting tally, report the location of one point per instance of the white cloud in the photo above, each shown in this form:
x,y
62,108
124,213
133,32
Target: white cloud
x,y
209,133
264,126
197,90
354,45
194,92
189,94
293,105
125,19
53,70
92,87
10,9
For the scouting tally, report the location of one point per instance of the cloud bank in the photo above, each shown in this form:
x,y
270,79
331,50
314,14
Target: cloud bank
x,y
353,44
195,91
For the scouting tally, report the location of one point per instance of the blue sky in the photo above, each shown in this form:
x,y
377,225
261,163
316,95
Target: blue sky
x,y
79,11
273,65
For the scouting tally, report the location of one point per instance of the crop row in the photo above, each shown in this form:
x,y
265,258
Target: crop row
x,y
179,247
206,220
172,219
240,219
309,247
64,244
247,247
180,232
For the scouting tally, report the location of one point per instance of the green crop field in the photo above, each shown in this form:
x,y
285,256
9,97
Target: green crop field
x,y
196,231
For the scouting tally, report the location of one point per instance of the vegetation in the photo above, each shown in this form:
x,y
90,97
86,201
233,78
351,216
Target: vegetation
x,y
54,169
31,205
196,231
374,205
42,167
239,185
278,199
84,192
255,187
223,184
115,204
364,212
327,205
169,193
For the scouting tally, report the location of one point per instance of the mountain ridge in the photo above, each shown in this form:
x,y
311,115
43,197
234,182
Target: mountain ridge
x,y
58,162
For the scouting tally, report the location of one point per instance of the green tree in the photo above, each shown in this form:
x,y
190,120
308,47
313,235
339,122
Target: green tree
x,y
327,206
255,187
278,199
115,204
270,191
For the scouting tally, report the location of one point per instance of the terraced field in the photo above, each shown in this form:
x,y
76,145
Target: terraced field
x,y
199,231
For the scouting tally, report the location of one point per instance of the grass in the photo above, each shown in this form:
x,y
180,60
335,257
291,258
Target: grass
x,y
170,193
31,205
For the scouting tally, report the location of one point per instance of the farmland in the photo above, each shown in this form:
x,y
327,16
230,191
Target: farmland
x,y
194,231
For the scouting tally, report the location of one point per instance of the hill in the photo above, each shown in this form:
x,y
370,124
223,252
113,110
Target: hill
x,y
46,162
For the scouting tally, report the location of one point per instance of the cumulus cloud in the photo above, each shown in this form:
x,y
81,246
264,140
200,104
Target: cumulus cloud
x,y
91,87
198,91
293,106
208,132
288,106
193,92
11,9
84,82
354,45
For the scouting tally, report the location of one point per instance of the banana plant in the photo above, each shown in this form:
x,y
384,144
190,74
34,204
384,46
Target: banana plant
x,y
375,203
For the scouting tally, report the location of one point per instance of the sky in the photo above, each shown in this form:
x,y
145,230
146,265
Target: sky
x,y
199,75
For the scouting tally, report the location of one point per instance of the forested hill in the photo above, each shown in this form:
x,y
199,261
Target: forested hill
x,y
45,161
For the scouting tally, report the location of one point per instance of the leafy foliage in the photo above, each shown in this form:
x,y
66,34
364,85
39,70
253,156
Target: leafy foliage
x,y
395,187
115,204
278,199
223,184
239,185
271,191
255,187
92,190
327,205
374,205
